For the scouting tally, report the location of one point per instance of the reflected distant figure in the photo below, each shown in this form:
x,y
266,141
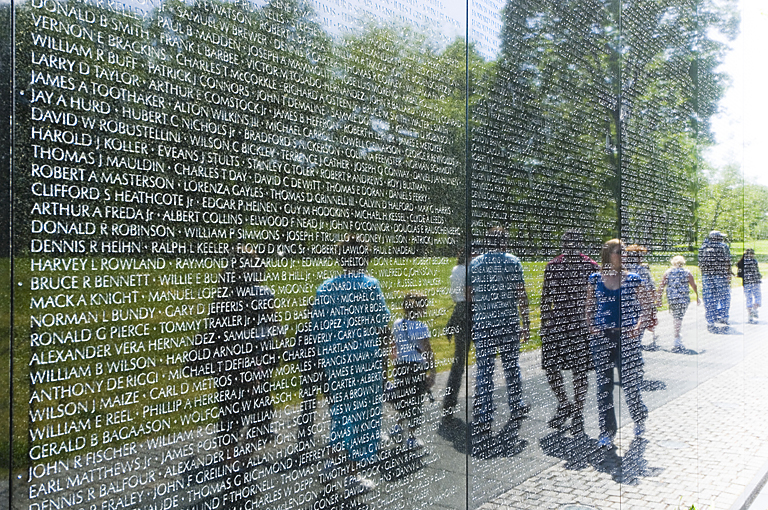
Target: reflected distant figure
x,y
244,323
498,292
634,263
749,272
349,327
715,265
616,316
678,281
457,328
564,329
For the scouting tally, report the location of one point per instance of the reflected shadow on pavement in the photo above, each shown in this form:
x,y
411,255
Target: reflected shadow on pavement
x,y
455,431
582,452
629,468
649,385
579,452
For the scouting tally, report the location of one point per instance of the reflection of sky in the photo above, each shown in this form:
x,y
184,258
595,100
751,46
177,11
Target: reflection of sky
x,y
485,26
740,129
444,20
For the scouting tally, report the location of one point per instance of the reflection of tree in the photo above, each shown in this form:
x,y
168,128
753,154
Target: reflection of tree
x,y
670,85
256,106
72,94
733,206
601,107
543,119
396,126
252,114
469,76
575,121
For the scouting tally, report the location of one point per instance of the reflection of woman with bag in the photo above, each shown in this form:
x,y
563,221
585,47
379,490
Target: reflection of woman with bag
x,y
616,318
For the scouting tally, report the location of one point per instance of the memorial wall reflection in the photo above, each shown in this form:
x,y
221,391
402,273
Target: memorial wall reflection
x,y
228,214
189,171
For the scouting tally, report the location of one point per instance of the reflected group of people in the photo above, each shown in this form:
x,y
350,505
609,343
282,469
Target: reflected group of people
x,y
716,276
593,317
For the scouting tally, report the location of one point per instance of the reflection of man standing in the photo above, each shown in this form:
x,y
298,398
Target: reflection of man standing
x,y
498,290
715,265
564,329
349,321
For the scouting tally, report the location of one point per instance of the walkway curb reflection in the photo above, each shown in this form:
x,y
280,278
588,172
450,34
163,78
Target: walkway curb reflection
x,y
755,493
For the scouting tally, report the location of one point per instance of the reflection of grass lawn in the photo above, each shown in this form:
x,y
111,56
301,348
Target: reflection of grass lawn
x,y
5,356
760,247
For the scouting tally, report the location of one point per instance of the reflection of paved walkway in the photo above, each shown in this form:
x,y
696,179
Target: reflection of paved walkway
x,y
707,431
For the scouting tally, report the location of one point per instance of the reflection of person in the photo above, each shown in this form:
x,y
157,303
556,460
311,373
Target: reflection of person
x,y
677,280
749,271
715,265
498,291
414,364
564,329
616,316
349,323
244,324
457,327
634,264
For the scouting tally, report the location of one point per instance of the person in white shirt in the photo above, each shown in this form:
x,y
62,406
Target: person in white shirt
x,y
457,328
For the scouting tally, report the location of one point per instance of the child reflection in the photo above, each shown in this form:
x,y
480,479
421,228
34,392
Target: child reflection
x,y
349,326
414,365
245,328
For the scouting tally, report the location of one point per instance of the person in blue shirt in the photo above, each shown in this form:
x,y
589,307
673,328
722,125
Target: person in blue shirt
x,y
349,328
499,302
616,318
